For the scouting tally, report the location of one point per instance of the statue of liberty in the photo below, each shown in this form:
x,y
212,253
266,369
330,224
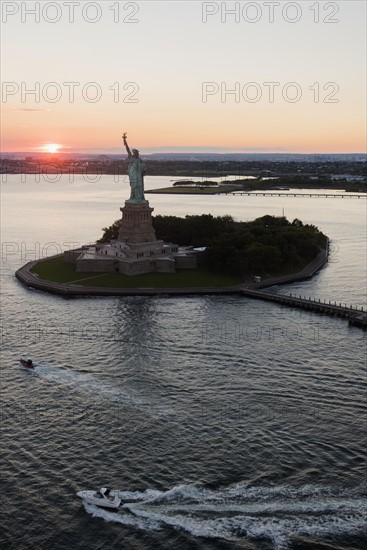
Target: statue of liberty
x,y
136,175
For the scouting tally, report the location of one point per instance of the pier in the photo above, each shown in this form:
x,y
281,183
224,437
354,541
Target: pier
x,y
293,194
356,316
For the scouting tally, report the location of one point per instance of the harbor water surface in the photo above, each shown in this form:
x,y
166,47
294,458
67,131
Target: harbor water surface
x,y
225,422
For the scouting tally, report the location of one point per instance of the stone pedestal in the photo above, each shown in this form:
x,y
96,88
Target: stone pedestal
x,y
136,225
136,249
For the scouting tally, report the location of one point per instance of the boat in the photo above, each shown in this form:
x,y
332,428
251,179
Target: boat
x,y
102,498
27,363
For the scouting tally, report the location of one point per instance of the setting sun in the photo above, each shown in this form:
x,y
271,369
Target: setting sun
x,y
52,148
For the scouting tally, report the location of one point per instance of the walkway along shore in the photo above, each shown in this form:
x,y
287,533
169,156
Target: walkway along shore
x,y
356,316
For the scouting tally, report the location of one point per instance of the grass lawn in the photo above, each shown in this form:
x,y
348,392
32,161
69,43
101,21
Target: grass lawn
x,y
57,270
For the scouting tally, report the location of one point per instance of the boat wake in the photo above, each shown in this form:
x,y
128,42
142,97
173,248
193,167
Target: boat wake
x,y
89,384
279,514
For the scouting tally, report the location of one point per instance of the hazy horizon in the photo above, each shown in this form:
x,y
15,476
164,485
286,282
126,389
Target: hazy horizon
x,y
180,151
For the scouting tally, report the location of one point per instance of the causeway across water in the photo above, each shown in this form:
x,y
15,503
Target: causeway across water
x,y
293,194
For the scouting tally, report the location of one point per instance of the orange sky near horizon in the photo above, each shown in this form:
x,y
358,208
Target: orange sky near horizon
x,y
172,110
36,137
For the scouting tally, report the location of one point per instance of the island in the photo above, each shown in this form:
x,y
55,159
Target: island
x,y
238,258
227,254
140,254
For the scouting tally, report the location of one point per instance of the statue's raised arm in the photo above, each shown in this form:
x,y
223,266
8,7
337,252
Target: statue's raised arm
x,y
126,145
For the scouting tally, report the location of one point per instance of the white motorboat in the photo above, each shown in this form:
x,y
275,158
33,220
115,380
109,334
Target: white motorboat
x,y
103,498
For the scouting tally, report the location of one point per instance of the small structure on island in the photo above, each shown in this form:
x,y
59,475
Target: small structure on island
x,y
136,250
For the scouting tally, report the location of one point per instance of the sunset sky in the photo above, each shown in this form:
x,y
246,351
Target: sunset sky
x,y
168,54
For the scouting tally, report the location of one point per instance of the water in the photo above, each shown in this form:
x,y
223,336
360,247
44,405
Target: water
x,y
225,422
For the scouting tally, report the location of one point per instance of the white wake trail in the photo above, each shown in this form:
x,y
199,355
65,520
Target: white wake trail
x,y
279,514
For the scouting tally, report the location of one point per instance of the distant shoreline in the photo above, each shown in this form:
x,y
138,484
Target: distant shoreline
x,y
246,185
267,192
230,189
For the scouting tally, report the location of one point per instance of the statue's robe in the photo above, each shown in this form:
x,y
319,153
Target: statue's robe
x,y
136,176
